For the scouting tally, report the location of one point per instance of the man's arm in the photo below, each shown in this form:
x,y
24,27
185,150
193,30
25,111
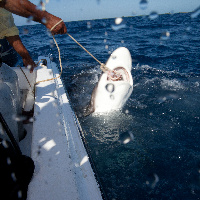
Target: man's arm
x,y
26,9
17,44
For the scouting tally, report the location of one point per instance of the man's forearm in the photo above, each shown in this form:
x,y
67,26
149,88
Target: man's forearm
x,y
17,44
26,9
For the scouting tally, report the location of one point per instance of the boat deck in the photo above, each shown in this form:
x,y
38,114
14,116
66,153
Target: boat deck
x,y
62,167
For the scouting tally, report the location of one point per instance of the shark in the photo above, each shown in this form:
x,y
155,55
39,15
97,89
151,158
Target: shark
x,y
114,86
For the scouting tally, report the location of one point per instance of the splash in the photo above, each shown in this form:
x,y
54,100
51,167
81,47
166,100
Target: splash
x,y
172,85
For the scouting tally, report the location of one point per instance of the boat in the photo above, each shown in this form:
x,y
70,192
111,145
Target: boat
x,y
54,138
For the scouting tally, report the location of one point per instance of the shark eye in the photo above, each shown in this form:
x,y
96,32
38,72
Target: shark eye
x,y
110,87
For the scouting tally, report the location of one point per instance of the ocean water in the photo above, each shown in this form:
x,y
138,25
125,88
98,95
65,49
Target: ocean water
x,y
151,148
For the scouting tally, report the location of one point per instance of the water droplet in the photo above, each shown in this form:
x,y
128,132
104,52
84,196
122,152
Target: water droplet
x,y
153,179
126,111
114,57
59,124
29,67
153,15
51,43
8,161
98,1
49,33
188,28
4,143
25,31
80,115
195,13
126,137
51,58
41,6
84,160
118,27
165,35
18,118
162,99
44,21
118,20
143,4
32,119
76,165
112,97
37,113
110,87
19,194
30,19
50,73
13,177
89,25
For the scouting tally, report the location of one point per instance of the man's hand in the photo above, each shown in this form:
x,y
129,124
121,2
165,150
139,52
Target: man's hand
x,y
29,63
52,21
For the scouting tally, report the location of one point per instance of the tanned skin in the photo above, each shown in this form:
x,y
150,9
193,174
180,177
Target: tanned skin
x,y
27,9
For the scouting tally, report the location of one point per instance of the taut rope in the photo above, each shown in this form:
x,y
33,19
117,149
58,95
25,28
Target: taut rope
x,y
103,66
112,74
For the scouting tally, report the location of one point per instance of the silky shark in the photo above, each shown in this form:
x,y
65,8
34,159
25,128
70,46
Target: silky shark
x,y
114,87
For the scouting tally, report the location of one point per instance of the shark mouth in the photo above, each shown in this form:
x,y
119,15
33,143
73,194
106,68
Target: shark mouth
x,y
118,74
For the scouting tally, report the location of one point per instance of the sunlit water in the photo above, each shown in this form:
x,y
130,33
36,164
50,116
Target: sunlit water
x,y
151,148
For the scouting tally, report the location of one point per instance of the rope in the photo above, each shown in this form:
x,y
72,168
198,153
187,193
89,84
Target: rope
x,y
103,66
56,25
112,74
42,59
59,61
25,76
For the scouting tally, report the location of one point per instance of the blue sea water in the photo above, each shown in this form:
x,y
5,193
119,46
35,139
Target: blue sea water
x,y
151,148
